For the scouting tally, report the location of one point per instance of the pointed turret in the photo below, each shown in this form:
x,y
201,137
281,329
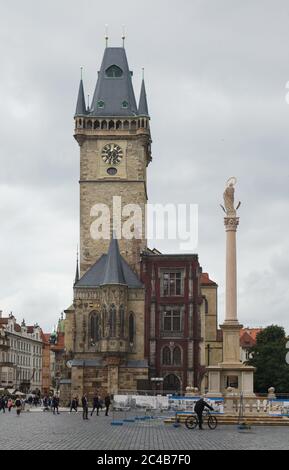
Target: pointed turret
x,y
143,104
113,272
80,106
77,271
114,94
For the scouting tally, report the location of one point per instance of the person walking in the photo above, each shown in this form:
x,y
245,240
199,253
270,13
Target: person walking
x,y
55,404
10,404
84,403
2,404
18,405
96,405
199,409
73,405
107,403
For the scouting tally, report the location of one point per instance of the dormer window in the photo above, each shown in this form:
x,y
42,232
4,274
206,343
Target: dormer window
x,y
114,72
100,104
124,104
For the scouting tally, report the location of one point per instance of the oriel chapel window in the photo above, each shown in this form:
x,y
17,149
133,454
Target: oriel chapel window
x,y
112,321
121,320
94,327
172,283
131,328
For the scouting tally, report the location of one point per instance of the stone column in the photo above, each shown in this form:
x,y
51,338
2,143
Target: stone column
x,y
231,224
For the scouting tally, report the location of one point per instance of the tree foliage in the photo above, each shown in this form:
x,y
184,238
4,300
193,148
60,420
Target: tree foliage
x,y
269,358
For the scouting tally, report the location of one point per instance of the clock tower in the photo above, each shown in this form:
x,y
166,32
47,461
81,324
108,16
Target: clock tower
x,y
114,138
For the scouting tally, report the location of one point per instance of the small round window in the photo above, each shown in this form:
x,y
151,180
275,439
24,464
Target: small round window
x,y
111,171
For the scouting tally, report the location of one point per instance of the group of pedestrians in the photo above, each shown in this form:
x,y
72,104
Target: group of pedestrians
x,y
96,405
8,403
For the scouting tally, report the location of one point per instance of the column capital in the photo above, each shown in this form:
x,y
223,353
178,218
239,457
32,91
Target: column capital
x,y
231,224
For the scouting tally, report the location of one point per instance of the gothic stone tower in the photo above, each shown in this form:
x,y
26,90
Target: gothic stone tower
x,y
114,139
104,331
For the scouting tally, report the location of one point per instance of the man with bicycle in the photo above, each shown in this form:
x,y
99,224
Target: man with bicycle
x,y
199,409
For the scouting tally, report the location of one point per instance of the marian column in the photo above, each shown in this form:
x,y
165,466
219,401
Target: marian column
x,y
230,374
231,327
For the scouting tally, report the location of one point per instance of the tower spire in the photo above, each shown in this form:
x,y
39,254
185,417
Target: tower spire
x,y
77,269
143,104
123,35
106,35
80,105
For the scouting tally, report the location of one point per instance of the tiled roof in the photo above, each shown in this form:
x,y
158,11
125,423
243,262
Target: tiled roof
x,y
206,281
248,336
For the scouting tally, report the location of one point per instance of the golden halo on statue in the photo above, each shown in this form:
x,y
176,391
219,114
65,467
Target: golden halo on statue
x,y
232,180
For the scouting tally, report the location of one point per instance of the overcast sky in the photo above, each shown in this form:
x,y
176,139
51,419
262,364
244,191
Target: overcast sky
x,y
216,74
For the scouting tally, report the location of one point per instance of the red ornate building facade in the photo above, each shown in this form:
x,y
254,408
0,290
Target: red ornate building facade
x,y
176,313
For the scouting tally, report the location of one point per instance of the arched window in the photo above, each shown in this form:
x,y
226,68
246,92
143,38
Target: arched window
x,y
94,327
126,125
114,72
166,356
177,356
118,125
96,125
121,320
104,125
111,125
131,328
89,125
112,321
104,321
133,125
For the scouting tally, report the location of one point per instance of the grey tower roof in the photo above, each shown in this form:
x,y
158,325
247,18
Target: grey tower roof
x,y
113,273
143,104
80,106
110,269
114,95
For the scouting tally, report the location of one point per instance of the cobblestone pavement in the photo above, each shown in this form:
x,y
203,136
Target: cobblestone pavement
x,y
43,430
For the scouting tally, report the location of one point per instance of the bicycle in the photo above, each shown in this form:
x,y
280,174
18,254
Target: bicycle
x,y
192,421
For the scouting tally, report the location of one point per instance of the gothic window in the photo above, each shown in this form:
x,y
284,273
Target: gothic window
x,y
96,125
89,125
177,356
104,320
172,283
112,321
118,125
166,359
111,125
126,125
114,72
94,327
121,320
104,125
133,125
131,328
171,320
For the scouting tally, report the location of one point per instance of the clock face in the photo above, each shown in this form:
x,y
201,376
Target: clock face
x,y
112,154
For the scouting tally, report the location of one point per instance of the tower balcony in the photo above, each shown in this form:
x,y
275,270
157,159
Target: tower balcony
x,y
121,126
